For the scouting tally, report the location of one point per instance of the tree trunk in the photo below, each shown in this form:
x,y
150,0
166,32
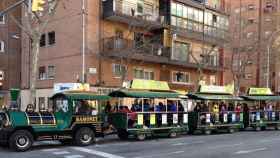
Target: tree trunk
x,y
34,68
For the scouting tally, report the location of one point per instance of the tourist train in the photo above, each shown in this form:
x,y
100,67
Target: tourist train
x,y
142,109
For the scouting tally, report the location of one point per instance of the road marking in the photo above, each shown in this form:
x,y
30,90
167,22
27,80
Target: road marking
x,y
50,150
61,152
98,153
74,156
191,143
269,140
225,146
249,151
161,155
177,152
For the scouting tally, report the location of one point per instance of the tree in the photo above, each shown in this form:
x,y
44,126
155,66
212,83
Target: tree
x,y
243,46
33,25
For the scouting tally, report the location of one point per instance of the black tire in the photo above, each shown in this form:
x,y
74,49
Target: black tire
x,y
84,136
4,144
122,134
141,136
277,127
21,140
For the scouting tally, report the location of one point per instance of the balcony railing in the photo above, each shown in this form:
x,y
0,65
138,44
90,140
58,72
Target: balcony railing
x,y
115,45
151,51
133,13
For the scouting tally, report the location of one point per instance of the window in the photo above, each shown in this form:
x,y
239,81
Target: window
x,y
51,72
140,6
213,80
139,73
41,102
268,19
267,34
2,46
119,70
213,60
250,34
251,20
180,51
180,77
2,19
248,76
51,38
251,7
42,73
173,9
215,18
50,104
43,40
1,75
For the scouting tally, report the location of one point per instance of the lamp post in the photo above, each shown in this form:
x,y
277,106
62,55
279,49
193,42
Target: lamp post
x,y
83,41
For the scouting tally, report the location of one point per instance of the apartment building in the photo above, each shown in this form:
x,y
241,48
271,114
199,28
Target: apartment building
x,y
181,42
10,53
253,24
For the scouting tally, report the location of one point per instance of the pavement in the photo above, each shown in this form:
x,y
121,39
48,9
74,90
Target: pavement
x,y
264,144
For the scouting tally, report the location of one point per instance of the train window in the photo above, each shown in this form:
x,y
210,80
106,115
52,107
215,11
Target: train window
x,y
85,107
61,105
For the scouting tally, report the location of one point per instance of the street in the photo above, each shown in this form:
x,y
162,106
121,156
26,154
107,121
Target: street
x,y
241,145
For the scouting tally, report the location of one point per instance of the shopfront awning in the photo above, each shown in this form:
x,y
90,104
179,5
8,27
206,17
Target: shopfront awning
x,y
143,94
262,98
82,95
199,96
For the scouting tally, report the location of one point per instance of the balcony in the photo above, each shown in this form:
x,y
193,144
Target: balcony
x,y
132,13
152,52
209,38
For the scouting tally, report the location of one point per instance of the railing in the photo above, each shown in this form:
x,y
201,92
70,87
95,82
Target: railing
x,y
121,45
144,120
222,118
264,116
132,8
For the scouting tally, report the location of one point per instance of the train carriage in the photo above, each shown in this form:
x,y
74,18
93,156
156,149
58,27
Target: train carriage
x,y
147,113
262,109
75,118
215,109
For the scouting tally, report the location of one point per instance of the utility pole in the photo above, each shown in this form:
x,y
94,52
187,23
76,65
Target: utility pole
x,y
83,40
259,43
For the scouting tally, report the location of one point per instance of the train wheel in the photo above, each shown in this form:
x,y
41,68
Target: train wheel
x,y
122,134
258,128
21,140
207,132
173,135
141,136
84,136
231,130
